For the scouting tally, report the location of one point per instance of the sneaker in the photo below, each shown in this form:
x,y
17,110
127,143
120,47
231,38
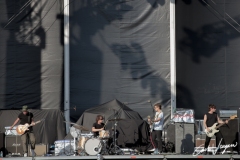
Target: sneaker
x,y
156,152
25,155
151,150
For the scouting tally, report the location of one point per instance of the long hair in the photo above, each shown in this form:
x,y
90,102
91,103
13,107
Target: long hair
x,y
99,117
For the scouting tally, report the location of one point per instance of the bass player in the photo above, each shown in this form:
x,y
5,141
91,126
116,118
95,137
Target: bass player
x,y
209,120
26,117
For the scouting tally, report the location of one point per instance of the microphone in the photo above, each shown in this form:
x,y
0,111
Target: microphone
x,y
149,101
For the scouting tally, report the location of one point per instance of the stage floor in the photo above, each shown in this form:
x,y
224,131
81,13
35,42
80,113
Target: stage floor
x,y
124,157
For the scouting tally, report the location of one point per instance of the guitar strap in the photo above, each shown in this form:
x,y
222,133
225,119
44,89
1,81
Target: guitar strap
x,y
29,115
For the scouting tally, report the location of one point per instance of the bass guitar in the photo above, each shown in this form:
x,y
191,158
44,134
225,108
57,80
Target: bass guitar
x,y
21,129
214,128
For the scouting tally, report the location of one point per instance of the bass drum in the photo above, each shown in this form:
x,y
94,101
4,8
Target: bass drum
x,y
93,146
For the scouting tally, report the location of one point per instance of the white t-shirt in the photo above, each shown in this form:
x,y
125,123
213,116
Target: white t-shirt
x,y
158,125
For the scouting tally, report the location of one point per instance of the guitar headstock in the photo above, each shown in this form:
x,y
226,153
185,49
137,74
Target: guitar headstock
x,y
233,116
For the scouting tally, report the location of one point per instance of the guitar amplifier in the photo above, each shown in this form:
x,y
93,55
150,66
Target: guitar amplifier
x,y
13,145
227,113
40,149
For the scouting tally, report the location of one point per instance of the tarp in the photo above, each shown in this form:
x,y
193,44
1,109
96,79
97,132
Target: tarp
x,y
207,54
52,127
132,130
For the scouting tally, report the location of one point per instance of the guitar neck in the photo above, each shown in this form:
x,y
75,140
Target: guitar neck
x,y
221,124
34,124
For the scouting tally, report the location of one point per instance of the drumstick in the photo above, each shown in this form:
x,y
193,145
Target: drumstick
x,y
105,124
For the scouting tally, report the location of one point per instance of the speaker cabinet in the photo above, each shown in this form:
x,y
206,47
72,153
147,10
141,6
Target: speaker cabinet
x,y
2,144
184,138
230,133
171,133
13,144
40,149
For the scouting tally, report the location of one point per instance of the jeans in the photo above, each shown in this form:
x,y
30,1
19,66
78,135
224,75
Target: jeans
x,y
157,139
24,139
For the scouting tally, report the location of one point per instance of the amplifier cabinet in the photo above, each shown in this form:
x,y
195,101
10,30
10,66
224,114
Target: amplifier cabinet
x,y
40,149
13,145
201,142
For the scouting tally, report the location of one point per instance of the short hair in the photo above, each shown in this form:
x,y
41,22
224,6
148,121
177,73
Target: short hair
x,y
158,105
210,106
99,117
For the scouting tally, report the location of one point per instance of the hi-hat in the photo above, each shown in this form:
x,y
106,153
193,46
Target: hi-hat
x,y
78,126
70,122
118,119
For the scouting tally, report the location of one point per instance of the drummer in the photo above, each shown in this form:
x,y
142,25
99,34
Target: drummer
x,y
98,125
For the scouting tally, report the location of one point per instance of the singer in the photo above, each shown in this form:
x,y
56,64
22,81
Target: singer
x,y
157,127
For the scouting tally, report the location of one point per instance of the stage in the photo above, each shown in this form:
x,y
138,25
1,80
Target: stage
x,y
121,157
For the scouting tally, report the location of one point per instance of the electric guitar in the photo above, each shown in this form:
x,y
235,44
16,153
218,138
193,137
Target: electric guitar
x,y
214,128
21,129
152,123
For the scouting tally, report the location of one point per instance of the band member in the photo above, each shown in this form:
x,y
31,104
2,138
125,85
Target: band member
x,y
98,125
157,124
209,120
26,117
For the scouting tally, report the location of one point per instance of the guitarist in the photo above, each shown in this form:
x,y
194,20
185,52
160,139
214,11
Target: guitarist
x,y
157,126
209,120
26,117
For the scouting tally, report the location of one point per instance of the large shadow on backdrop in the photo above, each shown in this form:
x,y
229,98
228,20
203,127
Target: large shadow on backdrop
x,y
86,58
32,66
90,18
206,54
24,46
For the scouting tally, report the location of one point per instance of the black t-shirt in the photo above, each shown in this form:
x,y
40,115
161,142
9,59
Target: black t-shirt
x,y
97,126
26,118
211,119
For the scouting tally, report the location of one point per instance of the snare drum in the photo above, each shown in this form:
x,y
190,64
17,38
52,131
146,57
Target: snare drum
x,y
104,134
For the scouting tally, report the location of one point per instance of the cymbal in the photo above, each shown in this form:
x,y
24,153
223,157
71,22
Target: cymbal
x,y
77,126
80,127
117,119
70,122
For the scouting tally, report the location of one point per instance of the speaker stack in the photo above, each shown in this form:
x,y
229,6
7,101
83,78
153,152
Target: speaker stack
x,y
182,135
230,133
13,145
2,144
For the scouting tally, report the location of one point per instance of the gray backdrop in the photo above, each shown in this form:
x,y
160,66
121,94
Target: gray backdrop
x,y
31,54
208,38
120,49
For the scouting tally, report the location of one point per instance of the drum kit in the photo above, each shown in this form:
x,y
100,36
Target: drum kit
x,y
87,144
